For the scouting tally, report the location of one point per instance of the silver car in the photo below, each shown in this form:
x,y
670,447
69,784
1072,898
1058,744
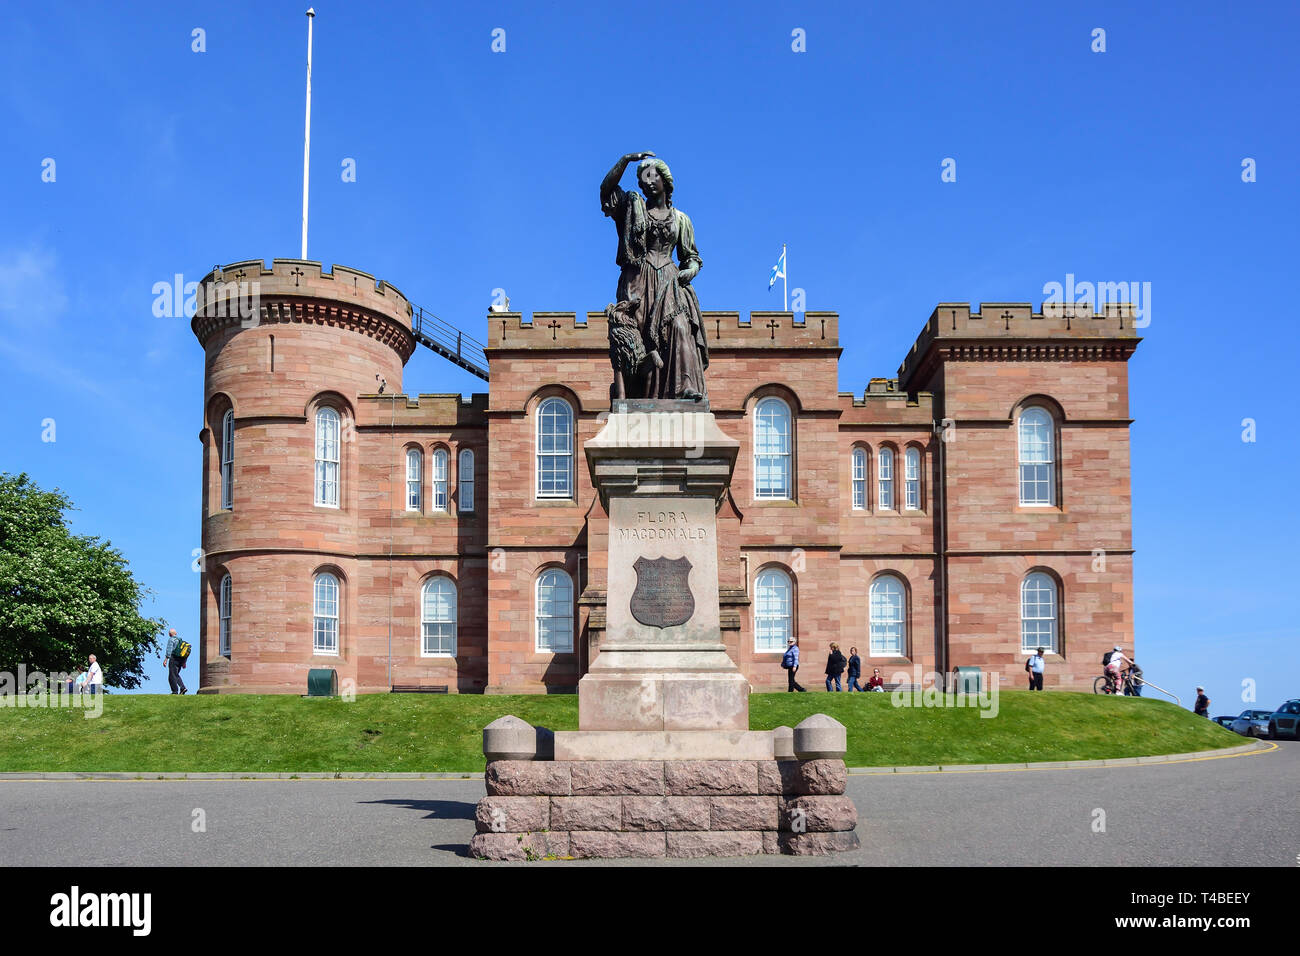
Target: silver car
x,y
1251,723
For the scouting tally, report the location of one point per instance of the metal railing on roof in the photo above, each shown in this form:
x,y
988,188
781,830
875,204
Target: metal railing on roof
x,y
449,342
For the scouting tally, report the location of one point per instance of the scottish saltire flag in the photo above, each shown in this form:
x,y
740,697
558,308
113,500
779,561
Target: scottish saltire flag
x,y
778,270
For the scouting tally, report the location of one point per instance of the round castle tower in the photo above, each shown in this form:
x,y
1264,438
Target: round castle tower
x,y
287,352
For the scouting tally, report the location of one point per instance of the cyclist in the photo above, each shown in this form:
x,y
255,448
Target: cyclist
x,y
1113,663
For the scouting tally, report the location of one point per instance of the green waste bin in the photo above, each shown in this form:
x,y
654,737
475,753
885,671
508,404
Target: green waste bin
x,y
322,682
966,680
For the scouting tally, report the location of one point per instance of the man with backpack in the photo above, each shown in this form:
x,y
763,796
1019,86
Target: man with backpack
x,y
177,654
835,664
1034,667
790,661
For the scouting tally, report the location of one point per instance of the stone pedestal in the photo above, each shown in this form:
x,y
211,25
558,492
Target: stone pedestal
x,y
663,762
661,469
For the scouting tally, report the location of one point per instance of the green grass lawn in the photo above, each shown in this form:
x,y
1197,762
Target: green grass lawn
x,y
416,732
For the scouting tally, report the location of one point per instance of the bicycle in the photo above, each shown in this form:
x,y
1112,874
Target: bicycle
x,y
1107,685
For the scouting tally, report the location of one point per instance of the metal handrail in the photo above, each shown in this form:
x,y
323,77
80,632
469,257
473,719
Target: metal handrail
x,y
449,342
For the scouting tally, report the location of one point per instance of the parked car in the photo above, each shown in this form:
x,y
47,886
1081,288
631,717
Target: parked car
x,y
1251,723
1285,721
1224,721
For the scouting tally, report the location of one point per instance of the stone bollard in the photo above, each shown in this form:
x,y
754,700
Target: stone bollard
x,y
509,738
820,737
783,743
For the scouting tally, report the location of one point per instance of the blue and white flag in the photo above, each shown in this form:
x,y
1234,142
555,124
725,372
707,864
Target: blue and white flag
x,y
778,270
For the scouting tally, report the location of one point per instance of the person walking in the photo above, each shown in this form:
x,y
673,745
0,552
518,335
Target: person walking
x,y
94,677
1035,667
174,664
1202,708
1133,686
835,664
790,661
855,671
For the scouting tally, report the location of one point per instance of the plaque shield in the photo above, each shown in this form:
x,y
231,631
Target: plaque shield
x,y
662,597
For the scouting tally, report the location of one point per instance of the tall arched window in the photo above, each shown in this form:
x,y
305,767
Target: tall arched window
x,y
772,449
1036,437
414,481
325,614
438,480
223,616
885,479
912,479
773,610
327,457
438,618
554,449
1038,613
228,459
465,480
858,471
554,612
888,620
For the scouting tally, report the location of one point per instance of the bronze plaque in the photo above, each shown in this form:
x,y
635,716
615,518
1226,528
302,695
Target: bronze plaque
x,y
662,597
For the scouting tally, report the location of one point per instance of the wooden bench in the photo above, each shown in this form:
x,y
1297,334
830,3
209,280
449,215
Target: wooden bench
x,y
419,689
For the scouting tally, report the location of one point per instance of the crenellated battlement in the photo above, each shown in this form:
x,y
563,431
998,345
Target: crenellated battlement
x,y
1015,330
725,330
426,410
247,294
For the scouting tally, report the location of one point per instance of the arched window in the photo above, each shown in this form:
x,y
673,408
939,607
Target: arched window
x,y
1038,620
885,479
773,610
888,617
554,612
228,460
414,460
912,479
438,481
438,618
858,470
554,449
223,616
465,480
772,449
325,614
327,457
1036,434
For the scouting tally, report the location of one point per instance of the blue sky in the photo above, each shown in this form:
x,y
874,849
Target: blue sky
x,y
478,170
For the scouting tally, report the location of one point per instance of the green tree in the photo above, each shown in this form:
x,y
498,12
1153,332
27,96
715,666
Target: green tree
x,y
65,596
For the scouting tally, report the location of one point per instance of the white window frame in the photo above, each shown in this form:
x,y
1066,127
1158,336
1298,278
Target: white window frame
x,y
414,479
465,480
773,444
328,432
885,479
912,479
773,611
438,620
223,616
1040,456
326,595
438,480
552,611
858,478
1033,621
555,462
887,617
228,460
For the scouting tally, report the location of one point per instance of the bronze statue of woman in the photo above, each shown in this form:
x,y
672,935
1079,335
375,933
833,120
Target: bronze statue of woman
x,y
658,292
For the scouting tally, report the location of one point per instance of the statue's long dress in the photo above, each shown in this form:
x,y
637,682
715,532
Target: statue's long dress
x,y
668,313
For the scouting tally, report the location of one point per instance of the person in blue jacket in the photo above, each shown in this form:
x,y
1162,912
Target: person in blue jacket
x,y
790,661
855,671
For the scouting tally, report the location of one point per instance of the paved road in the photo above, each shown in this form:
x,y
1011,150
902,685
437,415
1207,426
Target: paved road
x,y
1226,811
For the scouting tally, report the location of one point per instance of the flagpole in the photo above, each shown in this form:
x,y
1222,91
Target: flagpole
x,y
785,281
306,142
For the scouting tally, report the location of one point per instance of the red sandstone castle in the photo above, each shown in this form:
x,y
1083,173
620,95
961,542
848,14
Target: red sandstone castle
x,y
965,513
